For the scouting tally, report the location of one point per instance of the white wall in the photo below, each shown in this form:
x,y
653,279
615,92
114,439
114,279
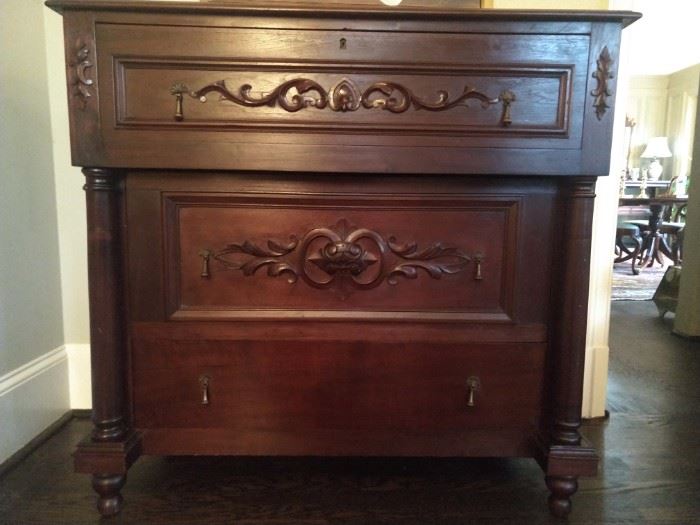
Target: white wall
x,y
33,371
687,322
647,102
666,39
680,117
69,196
665,105
72,230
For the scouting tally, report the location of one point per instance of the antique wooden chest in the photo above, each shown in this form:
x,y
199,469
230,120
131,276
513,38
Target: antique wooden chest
x,y
338,230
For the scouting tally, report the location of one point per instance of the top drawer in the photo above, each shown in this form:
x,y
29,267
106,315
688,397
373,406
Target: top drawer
x,y
328,99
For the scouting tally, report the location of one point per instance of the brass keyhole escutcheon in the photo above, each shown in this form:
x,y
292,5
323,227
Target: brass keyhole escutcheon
x,y
473,386
343,43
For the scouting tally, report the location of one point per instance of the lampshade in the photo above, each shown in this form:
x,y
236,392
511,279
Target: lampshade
x,y
657,148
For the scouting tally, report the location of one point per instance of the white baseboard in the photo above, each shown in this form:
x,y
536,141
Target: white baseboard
x,y
32,397
79,376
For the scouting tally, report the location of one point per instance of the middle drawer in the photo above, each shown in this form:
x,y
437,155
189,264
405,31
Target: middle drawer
x,y
361,257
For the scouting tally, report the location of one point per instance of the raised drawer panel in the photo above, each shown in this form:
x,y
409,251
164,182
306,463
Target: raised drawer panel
x,y
396,387
453,251
439,258
347,81
502,102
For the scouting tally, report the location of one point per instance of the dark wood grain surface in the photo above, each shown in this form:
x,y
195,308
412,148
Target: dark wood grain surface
x,y
643,480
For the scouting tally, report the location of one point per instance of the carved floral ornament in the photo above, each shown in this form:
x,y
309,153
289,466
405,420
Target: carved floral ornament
x,y
602,75
302,93
359,256
83,82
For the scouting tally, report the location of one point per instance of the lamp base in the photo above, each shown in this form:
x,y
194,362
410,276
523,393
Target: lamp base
x,y
655,170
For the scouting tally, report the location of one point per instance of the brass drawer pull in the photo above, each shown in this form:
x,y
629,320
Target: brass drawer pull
x,y
478,259
204,384
205,255
474,385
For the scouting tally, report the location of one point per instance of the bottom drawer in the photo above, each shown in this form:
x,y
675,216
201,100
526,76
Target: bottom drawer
x,y
286,397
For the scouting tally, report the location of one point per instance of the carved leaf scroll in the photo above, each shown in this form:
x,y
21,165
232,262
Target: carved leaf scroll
x,y
602,75
261,257
83,83
437,260
343,253
295,95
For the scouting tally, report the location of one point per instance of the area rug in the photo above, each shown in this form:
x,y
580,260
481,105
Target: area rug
x,y
628,287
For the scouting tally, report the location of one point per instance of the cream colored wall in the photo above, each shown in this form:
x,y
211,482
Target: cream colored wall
x,y
665,105
687,320
70,200
70,214
647,102
680,117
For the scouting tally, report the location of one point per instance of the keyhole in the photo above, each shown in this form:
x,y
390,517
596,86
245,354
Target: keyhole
x,y
343,43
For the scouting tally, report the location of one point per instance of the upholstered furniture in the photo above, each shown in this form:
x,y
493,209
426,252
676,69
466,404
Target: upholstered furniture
x,y
338,230
628,245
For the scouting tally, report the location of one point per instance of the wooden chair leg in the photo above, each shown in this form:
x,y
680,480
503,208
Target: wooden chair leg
x,y
623,253
636,252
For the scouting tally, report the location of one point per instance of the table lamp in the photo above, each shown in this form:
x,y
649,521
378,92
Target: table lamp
x,y
657,148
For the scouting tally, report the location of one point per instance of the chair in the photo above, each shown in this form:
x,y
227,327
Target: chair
x,y
628,237
628,245
674,230
669,240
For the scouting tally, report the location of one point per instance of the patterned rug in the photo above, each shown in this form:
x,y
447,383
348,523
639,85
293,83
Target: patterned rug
x,y
628,287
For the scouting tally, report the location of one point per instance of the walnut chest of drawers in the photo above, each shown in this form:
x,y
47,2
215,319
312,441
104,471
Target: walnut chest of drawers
x,y
338,231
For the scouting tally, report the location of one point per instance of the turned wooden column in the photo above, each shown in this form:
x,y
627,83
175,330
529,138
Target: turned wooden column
x,y
566,458
103,191
578,197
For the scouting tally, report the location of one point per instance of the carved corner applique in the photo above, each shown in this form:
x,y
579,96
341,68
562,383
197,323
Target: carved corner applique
x,y
83,81
602,91
342,254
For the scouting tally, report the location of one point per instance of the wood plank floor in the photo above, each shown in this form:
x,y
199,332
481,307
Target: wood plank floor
x,y
650,471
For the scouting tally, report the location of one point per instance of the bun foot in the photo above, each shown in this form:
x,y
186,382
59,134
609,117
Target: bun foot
x,y
107,486
561,488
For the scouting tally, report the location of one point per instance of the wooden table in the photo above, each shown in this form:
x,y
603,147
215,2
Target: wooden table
x,y
653,243
653,187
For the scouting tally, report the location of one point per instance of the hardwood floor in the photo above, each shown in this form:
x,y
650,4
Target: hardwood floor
x,y
650,472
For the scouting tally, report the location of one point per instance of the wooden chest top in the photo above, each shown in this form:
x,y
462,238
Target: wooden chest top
x,y
340,89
